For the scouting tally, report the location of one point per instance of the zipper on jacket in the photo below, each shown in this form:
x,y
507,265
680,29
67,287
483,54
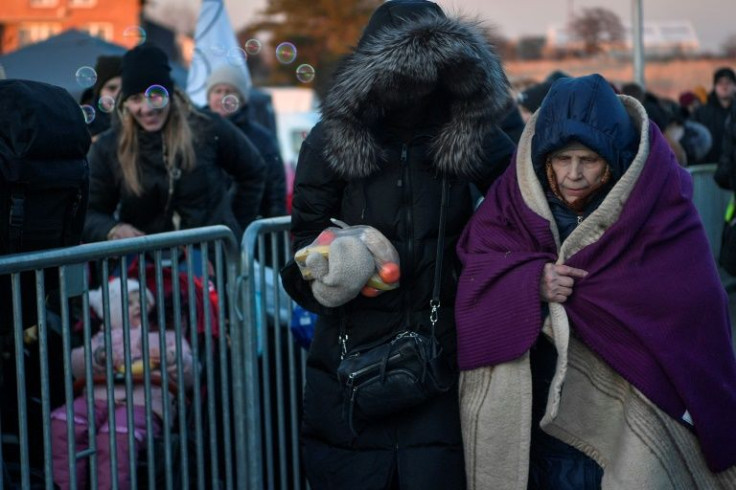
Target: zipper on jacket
x,y
406,171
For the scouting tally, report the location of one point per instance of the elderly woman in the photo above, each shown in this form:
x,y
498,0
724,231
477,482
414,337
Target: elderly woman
x,y
593,330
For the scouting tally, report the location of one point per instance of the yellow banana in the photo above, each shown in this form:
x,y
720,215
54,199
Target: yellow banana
x,y
301,255
136,367
301,258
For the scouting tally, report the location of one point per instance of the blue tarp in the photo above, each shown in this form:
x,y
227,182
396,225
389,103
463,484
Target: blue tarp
x,y
57,59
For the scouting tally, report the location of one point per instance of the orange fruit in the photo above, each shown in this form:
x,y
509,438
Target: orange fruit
x,y
389,272
370,292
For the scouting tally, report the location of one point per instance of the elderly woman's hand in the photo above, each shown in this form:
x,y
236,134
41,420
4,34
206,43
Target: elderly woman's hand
x,y
557,282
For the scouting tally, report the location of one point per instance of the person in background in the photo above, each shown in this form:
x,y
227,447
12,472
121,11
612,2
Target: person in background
x,y
660,112
227,95
530,99
688,103
103,94
580,371
725,175
713,114
418,99
701,93
163,164
513,123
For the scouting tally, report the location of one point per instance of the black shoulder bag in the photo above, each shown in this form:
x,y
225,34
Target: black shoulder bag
x,y
402,371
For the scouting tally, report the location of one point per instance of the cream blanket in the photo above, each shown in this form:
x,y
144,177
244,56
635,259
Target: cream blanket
x,y
589,405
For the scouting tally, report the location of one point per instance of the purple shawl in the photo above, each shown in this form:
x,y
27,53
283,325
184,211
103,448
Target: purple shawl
x,y
652,305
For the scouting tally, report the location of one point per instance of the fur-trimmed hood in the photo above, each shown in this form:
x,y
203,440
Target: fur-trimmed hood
x,y
402,63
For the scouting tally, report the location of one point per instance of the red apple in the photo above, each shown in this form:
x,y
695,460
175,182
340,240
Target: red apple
x,y
370,292
326,237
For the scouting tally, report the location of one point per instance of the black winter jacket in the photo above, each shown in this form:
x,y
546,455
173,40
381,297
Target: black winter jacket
x,y
274,194
200,196
377,158
713,116
725,175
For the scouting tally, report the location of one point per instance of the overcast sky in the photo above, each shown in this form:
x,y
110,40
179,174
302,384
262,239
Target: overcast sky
x,y
714,20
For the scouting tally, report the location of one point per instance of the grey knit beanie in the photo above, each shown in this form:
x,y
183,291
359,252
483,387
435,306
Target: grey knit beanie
x,y
230,75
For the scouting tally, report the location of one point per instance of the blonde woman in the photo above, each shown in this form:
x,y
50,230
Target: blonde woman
x,y
164,165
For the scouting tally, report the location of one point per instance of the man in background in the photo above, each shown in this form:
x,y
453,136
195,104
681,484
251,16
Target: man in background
x,y
714,113
227,95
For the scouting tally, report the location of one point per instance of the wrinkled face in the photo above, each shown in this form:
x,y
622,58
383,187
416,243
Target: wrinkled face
x,y
149,118
217,93
725,89
578,173
111,88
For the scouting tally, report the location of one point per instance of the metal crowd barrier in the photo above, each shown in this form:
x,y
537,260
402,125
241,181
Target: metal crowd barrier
x,y
711,202
202,443
238,426
274,362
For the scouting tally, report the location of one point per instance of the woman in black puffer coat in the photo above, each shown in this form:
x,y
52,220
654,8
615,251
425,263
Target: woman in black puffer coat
x,y
162,159
418,99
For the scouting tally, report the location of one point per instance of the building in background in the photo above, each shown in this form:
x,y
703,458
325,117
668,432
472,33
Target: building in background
x,y
661,39
24,22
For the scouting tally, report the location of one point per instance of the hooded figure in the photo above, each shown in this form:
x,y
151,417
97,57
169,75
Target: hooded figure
x,y
591,319
417,100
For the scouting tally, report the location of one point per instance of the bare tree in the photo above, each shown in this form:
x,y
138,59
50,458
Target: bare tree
x,y
729,46
596,26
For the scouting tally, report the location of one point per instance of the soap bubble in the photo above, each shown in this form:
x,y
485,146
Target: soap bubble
x,y
253,46
136,34
89,113
286,53
86,76
305,73
236,57
230,103
106,104
157,96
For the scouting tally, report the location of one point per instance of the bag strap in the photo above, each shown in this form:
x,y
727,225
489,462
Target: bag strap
x,y
434,303
174,173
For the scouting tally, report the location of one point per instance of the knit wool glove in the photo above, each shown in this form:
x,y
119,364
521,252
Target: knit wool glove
x,y
341,277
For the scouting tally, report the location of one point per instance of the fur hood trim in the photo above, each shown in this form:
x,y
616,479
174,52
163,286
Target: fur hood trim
x,y
395,66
